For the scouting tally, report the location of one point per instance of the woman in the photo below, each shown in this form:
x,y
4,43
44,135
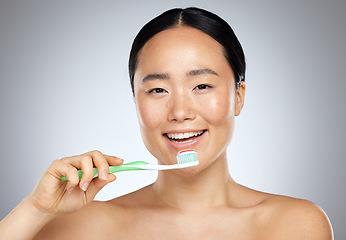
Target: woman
x,y
187,73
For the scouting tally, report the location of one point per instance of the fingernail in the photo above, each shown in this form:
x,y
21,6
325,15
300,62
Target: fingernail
x,y
85,186
70,190
105,175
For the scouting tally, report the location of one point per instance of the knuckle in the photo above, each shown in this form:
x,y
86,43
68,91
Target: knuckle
x,y
96,153
72,173
64,159
86,158
103,161
72,170
99,158
55,162
87,171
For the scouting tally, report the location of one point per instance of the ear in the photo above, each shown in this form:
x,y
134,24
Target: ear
x,y
240,96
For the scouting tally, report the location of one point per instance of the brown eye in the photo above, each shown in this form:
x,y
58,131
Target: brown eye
x,y
202,87
157,90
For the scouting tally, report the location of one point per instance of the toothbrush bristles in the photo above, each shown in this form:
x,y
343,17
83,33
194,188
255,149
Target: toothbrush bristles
x,y
187,157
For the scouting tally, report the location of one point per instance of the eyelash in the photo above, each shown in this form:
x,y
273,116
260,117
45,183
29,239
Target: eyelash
x,y
203,87
157,90
198,87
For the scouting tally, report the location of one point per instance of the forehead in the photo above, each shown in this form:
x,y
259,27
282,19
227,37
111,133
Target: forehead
x,y
180,33
180,46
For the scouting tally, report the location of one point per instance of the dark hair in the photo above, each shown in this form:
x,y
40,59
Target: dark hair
x,y
203,20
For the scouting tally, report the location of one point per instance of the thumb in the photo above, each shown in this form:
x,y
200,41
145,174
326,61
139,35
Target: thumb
x,y
97,184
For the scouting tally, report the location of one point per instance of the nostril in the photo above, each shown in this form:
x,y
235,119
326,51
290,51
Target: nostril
x,y
181,115
179,108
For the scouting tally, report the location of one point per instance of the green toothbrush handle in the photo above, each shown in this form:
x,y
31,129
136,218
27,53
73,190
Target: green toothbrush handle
x,y
112,169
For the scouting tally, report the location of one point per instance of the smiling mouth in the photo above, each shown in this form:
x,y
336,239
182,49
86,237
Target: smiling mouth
x,y
184,137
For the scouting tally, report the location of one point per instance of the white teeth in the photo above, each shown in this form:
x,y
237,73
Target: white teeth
x,y
183,135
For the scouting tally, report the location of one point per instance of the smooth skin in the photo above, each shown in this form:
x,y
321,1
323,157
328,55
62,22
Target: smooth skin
x,y
183,83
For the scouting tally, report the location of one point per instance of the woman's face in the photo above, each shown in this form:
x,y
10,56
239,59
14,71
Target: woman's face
x,y
185,96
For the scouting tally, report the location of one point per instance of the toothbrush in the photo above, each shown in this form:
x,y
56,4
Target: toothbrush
x,y
186,158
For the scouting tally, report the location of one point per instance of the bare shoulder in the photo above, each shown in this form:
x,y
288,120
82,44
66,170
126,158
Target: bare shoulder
x,y
91,222
96,220
292,218
139,199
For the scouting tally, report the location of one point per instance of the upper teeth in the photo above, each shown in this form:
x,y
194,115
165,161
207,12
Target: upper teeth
x,y
183,135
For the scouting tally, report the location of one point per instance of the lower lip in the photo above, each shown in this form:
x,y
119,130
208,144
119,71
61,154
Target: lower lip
x,y
189,144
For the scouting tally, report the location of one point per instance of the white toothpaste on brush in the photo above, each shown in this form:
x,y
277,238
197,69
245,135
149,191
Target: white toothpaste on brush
x,y
186,156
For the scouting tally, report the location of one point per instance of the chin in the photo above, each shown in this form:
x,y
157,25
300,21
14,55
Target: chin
x,y
188,172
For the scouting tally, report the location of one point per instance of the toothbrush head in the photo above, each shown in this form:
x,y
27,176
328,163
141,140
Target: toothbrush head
x,y
187,156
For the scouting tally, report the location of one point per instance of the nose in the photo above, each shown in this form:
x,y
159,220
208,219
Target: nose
x,y
180,108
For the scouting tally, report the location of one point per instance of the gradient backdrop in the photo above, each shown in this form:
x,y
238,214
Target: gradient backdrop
x,y
64,90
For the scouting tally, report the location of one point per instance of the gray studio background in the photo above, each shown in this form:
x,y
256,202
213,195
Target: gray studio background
x,y
64,91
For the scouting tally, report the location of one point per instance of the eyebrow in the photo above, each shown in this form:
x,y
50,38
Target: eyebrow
x,y
202,71
155,76
163,76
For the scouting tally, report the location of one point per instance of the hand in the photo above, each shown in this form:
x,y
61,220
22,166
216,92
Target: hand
x,y
53,196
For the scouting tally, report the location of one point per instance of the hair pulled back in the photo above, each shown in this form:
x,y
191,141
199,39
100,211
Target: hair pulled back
x,y
203,20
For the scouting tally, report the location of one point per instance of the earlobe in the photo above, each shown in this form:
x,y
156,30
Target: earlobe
x,y
240,96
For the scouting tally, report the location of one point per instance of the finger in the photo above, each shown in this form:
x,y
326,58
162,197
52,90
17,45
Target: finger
x,y
59,168
97,184
75,161
113,161
101,164
86,163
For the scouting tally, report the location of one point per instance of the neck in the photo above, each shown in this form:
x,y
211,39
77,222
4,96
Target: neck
x,y
209,188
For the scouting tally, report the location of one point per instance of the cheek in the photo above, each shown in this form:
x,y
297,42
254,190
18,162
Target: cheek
x,y
149,117
219,109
